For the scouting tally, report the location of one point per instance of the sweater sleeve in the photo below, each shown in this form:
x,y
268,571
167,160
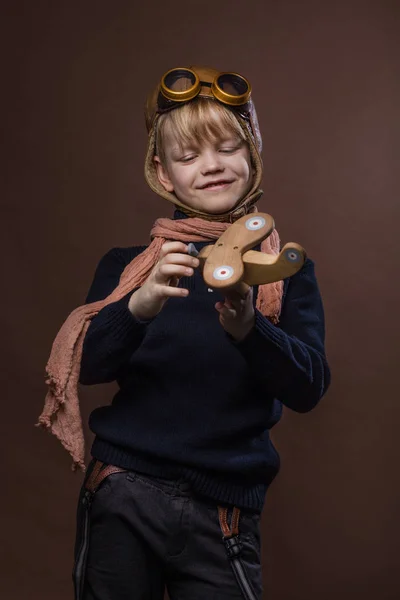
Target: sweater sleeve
x,y
290,358
114,333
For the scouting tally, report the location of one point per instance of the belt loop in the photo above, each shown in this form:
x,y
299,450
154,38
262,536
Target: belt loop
x,y
100,472
223,520
91,480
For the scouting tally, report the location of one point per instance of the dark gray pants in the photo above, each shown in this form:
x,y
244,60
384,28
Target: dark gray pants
x,y
141,534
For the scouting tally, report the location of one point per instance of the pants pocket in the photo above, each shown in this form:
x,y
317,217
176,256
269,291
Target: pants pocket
x,y
250,528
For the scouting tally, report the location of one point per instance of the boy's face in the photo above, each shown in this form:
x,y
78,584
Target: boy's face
x,y
211,177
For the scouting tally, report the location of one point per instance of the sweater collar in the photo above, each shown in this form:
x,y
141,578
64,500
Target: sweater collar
x,y
179,214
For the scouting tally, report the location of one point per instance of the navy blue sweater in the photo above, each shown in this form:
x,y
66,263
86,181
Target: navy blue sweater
x,y
192,402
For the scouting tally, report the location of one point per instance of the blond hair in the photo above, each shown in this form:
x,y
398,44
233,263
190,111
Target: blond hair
x,y
198,121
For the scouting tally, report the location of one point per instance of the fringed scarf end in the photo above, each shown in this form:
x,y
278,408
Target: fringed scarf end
x,y
56,388
44,422
274,319
78,465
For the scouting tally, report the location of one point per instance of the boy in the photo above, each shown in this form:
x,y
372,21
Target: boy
x,y
182,457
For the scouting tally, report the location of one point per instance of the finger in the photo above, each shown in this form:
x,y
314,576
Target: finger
x,y
225,312
166,272
180,259
236,306
226,304
236,297
167,291
169,247
239,303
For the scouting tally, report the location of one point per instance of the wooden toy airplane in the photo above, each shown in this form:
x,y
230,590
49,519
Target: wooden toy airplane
x,y
230,262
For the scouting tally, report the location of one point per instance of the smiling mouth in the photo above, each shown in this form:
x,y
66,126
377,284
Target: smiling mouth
x,y
216,185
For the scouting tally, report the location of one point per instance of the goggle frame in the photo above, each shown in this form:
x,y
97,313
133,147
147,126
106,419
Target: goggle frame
x,y
169,98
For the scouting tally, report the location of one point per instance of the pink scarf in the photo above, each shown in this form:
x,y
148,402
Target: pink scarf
x,y
61,413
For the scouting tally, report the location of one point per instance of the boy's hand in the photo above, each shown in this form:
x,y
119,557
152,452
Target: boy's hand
x,y
160,285
236,314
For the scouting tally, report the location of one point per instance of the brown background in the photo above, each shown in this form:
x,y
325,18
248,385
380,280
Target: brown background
x,y
73,84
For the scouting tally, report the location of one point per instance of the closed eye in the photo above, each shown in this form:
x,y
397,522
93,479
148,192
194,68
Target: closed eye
x,y
229,150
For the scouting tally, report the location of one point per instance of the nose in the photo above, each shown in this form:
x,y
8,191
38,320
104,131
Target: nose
x,y
211,162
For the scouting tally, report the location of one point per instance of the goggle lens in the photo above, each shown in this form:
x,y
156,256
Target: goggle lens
x,y
232,84
232,88
180,85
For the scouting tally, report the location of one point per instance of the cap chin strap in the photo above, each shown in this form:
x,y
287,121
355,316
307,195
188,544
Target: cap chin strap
x,y
246,206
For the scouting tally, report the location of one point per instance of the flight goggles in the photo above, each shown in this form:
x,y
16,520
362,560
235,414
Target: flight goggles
x,y
182,85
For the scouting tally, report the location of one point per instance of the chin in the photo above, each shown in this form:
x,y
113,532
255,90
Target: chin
x,y
219,208
214,204
217,205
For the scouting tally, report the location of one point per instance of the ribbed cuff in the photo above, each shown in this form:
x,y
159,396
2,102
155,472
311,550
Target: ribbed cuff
x,y
261,342
120,322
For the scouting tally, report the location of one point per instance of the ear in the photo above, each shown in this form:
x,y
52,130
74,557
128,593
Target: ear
x,y
162,175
